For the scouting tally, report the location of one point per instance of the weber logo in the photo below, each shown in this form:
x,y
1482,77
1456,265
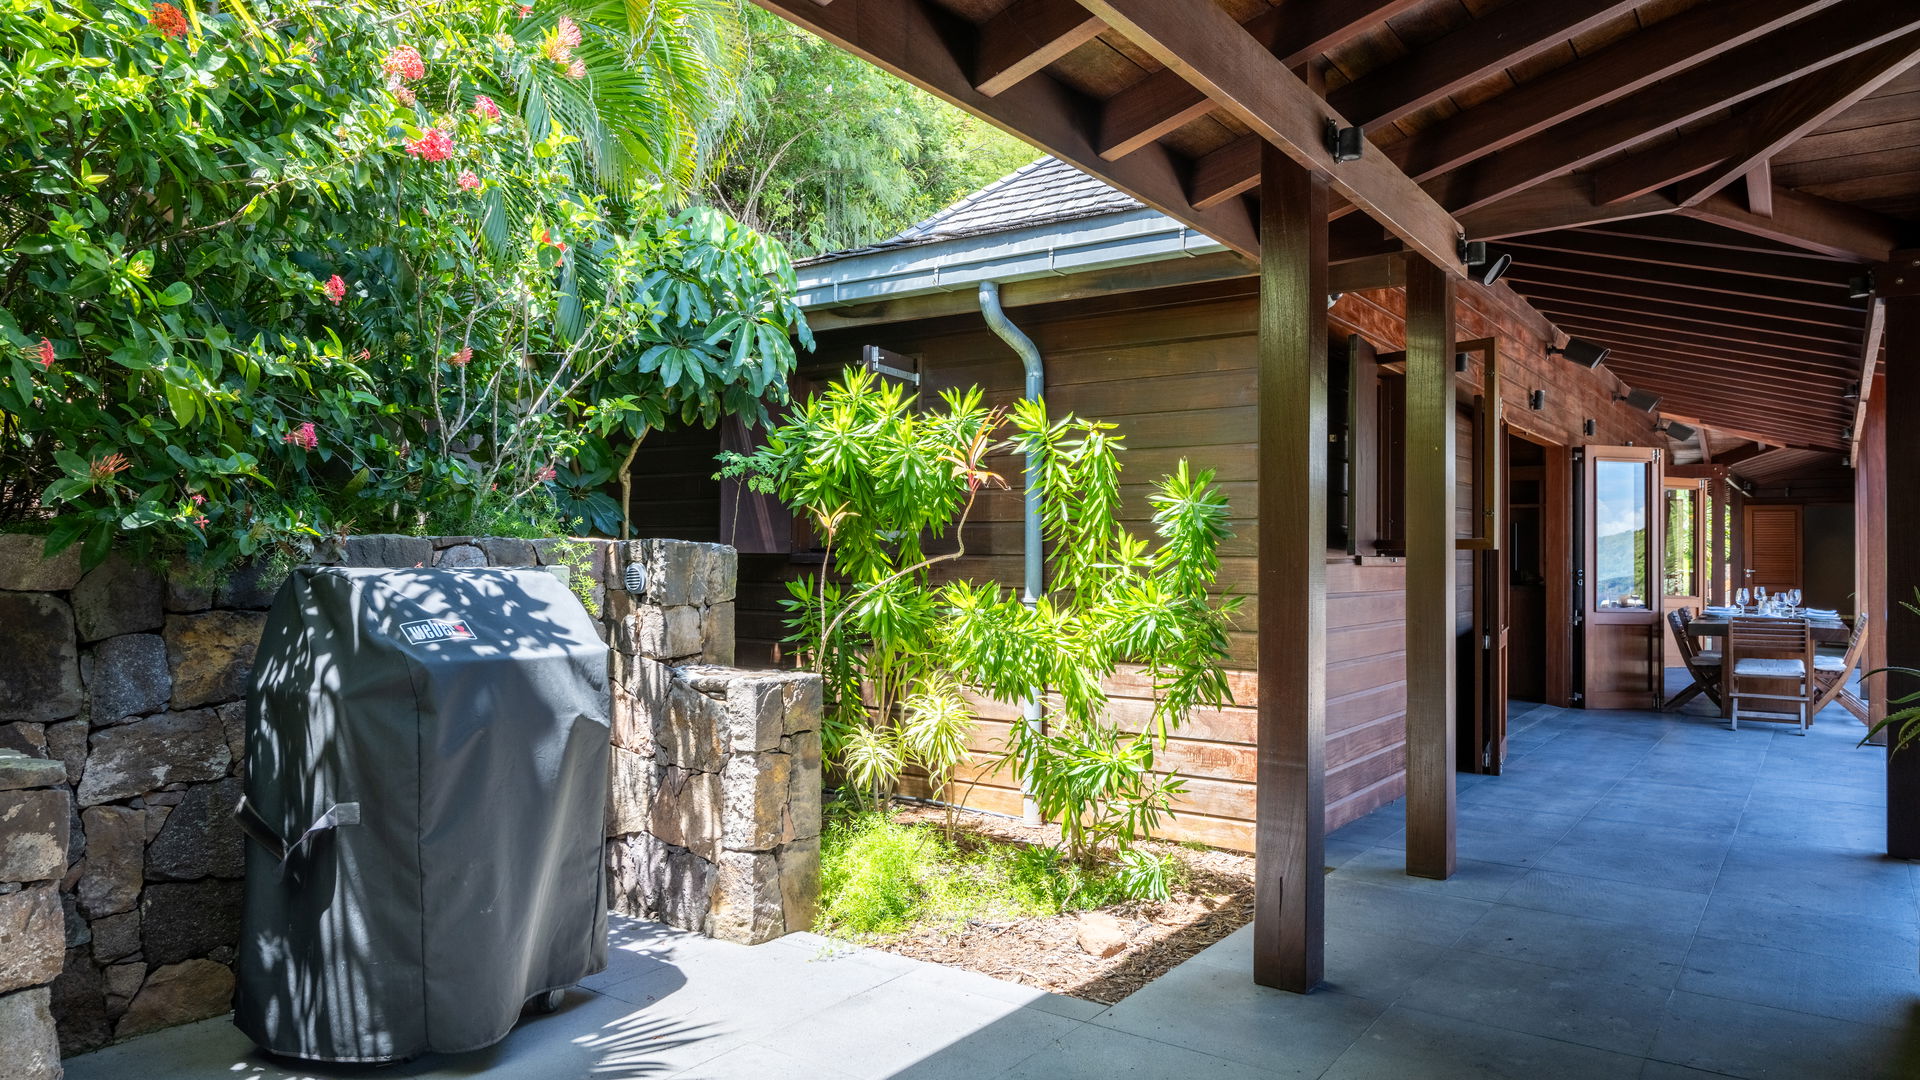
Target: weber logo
x,y
425,630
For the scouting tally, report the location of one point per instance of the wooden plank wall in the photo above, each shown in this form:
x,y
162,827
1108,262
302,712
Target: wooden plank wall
x,y
1174,370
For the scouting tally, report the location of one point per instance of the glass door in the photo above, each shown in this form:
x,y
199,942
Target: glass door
x,y
1685,529
1623,574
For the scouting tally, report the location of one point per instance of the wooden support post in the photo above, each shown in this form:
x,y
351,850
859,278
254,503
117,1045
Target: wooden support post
x,y
1290,832
1870,545
1430,577
1901,473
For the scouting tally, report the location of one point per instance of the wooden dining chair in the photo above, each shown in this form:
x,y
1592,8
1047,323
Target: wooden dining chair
x,y
1832,673
1704,667
1764,655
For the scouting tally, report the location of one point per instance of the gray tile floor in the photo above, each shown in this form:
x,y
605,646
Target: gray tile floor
x,y
1642,895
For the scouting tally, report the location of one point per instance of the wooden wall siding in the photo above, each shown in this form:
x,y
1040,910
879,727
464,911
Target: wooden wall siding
x,y
1174,370
674,493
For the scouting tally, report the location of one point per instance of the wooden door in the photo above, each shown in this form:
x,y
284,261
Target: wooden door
x,y
1772,542
1686,529
1621,571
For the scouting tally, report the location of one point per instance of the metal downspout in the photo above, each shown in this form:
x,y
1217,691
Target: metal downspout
x,y
1036,384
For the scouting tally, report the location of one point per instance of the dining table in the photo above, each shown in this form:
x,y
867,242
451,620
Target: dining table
x,y
1826,631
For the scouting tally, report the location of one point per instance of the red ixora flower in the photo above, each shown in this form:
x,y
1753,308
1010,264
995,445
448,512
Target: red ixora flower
x,y
435,145
546,474
336,289
461,358
468,180
404,63
547,240
108,467
577,69
45,353
484,106
197,499
404,94
168,20
303,437
201,521
525,10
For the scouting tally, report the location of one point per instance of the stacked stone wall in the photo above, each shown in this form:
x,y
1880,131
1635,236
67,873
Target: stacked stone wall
x,y
35,813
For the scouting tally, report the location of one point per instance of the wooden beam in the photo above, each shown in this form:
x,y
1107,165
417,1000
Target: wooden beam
x,y
1025,37
1705,161
1379,272
919,42
1209,49
1759,185
1826,300
1692,37
1289,931
1832,324
1295,31
1750,70
1770,266
1870,550
1902,575
1805,221
1697,335
1869,367
1675,229
1483,47
1564,202
1430,572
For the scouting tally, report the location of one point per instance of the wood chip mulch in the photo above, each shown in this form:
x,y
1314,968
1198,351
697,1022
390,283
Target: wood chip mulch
x,y
1045,952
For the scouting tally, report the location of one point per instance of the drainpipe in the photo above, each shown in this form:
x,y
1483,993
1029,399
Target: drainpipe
x,y
1029,354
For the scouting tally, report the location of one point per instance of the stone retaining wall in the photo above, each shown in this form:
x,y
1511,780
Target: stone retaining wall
x,y
34,814
134,680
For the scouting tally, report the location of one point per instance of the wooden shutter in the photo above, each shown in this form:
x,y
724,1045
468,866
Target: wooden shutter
x,y
1773,547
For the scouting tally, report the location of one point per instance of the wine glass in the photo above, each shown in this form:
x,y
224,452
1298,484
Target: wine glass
x,y
1793,598
1742,597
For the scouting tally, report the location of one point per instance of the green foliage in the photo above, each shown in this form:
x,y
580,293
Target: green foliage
x,y
271,275
1904,723
829,152
885,482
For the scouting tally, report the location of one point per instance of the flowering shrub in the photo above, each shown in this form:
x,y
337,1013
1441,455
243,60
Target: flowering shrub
x,y
276,269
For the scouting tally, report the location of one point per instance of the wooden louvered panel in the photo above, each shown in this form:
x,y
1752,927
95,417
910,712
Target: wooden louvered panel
x,y
1773,547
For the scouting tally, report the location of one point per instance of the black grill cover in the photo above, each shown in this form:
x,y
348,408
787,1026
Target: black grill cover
x,y
431,747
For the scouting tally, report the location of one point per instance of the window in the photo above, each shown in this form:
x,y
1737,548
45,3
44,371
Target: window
x,y
1620,535
1683,519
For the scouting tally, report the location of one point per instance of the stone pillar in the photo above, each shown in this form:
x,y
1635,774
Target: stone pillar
x,y
35,810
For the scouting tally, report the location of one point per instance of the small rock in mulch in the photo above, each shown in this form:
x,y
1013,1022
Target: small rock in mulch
x,y
1100,934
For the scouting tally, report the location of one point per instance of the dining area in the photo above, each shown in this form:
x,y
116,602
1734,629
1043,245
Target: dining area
x,y
1766,658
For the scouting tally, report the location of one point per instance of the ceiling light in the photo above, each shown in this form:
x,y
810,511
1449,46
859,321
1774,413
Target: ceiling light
x,y
1580,351
1678,431
1483,265
1344,143
1640,399
1860,287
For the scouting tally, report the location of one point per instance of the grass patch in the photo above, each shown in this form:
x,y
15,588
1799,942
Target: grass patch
x,y
880,877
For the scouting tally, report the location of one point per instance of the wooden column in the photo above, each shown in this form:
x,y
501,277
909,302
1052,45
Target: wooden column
x,y
1901,472
1716,522
1289,929
1430,582
1870,548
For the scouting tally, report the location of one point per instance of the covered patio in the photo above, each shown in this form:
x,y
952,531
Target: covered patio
x,y
1652,896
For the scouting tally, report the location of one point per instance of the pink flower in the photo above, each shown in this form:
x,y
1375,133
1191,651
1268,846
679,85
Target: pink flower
x,y
484,106
197,500
567,32
404,94
468,180
461,358
525,10
336,289
404,63
545,475
201,521
577,69
108,467
168,20
46,353
435,145
303,437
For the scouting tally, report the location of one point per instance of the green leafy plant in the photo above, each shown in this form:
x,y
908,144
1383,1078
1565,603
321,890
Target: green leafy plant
x,y
890,487
1904,723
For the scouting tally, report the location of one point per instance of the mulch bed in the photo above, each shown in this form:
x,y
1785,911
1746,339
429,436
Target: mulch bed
x,y
1045,951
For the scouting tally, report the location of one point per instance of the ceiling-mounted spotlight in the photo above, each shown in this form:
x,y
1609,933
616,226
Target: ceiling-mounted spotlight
x,y
1580,351
1678,431
1344,143
1484,266
1537,400
1640,399
1852,394
1860,286
1333,298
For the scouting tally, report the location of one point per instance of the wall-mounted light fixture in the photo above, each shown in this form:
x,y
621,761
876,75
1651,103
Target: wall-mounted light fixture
x,y
1483,265
1333,298
1460,360
635,577
1860,286
1580,351
1588,427
1852,394
1537,400
1344,143
1678,431
1640,399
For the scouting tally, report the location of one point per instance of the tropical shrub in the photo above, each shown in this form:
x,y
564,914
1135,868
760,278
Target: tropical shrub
x,y
276,269
886,482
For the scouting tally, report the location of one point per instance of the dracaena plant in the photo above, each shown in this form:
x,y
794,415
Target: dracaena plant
x,y
1903,724
890,488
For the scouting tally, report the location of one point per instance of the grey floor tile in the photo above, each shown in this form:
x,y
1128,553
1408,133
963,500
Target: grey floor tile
x,y
1472,879
756,1062
1757,1043
1867,791
1410,1043
1554,1002
1614,952
1419,916
1378,967
1687,859
1339,851
1221,1012
1652,906
920,1032
1094,1053
1661,1070
1677,806
1865,993
1842,825
1499,834
1825,879
1803,929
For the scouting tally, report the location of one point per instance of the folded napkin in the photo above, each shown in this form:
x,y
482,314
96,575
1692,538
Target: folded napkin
x,y
1821,613
1727,610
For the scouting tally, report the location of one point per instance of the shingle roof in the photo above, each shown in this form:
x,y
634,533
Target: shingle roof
x,y
1047,191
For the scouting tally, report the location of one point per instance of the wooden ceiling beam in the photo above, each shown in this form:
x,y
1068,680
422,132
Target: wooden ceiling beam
x,y
1831,343
1768,266
1564,202
1806,221
1482,47
1693,233
919,43
1731,372
1733,355
1828,297
1705,161
1745,453
1624,292
1211,51
1640,60
1789,354
1025,37
1759,184
1869,367
1753,69
1295,31
1655,376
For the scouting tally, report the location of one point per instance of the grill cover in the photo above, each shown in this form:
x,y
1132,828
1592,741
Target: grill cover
x,y
431,746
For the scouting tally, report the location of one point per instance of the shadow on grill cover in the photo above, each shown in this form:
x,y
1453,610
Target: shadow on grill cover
x,y
426,790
